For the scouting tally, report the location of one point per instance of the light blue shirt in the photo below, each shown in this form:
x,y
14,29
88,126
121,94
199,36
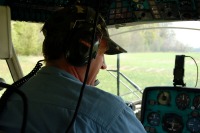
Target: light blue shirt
x,y
52,97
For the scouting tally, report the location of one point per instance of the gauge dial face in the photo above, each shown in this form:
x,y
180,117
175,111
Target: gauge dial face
x,y
193,125
196,102
164,98
153,118
172,123
182,101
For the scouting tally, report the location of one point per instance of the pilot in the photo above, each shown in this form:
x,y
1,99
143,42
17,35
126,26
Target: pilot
x,y
73,35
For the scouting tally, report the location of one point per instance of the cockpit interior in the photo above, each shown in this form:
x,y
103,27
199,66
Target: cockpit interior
x,y
172,107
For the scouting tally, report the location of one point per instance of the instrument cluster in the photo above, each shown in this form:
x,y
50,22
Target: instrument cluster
x,y
171,110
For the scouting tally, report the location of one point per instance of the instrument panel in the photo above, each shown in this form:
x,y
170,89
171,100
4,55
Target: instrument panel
x,y
171,110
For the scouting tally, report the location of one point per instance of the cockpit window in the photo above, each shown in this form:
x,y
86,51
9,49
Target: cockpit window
x,y
5,75
150,61
5,72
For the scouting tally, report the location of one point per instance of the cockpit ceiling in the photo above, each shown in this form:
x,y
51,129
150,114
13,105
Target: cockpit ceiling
x,y
114,11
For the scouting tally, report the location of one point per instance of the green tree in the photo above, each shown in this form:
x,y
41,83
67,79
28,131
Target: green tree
x,y
27,37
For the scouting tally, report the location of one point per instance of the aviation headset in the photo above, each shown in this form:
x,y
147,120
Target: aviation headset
x,y
80,39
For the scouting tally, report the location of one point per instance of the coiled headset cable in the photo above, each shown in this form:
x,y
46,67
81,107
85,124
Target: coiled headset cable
x,y
21,81
14,89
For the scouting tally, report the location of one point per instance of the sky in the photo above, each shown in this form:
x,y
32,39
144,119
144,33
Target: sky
x,y
190,37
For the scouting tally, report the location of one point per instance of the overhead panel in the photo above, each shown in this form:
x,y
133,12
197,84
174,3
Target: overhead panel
x,y
114,11
124,11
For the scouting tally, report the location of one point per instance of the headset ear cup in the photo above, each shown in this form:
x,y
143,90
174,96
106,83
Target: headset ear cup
x,y
78,54
95,49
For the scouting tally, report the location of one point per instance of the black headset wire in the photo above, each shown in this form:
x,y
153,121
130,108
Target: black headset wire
x,y
14,89
11,89
197,69
87,71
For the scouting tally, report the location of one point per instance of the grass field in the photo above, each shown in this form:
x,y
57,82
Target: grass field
x,y
148,69
143,69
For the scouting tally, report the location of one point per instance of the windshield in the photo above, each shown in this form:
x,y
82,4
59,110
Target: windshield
x,y
150,60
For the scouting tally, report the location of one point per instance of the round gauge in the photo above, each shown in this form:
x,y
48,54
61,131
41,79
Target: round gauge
x,y
140,6
172,123
182,101
153,118
196,102
193,125
164,98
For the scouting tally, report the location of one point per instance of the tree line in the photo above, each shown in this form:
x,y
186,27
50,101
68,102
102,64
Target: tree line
x,y
144,38
27,38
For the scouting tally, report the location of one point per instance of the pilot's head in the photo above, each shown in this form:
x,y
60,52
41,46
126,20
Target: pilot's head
x,y
69,33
